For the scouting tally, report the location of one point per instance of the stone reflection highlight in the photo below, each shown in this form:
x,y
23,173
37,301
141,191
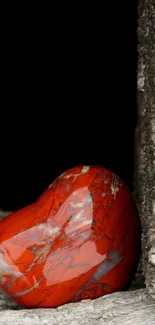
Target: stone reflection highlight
x,y
79,240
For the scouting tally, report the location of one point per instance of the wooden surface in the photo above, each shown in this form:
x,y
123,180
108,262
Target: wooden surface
x,y
122,308
145,138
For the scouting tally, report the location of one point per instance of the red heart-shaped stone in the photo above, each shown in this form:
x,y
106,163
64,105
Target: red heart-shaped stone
x,y
80,240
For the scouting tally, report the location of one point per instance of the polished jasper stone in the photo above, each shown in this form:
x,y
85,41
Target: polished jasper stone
x,y
79,240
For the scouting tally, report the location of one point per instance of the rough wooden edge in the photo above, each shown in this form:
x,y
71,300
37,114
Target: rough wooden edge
x,y
145,145
122,308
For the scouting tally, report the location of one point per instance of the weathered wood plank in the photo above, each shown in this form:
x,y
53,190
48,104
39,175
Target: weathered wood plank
x,y
145,144
122,308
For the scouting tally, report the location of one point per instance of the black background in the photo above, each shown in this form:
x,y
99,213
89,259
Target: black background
x,y
68,98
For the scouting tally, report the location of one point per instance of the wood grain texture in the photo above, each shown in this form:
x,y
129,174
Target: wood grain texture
x,y
145,139
132,307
